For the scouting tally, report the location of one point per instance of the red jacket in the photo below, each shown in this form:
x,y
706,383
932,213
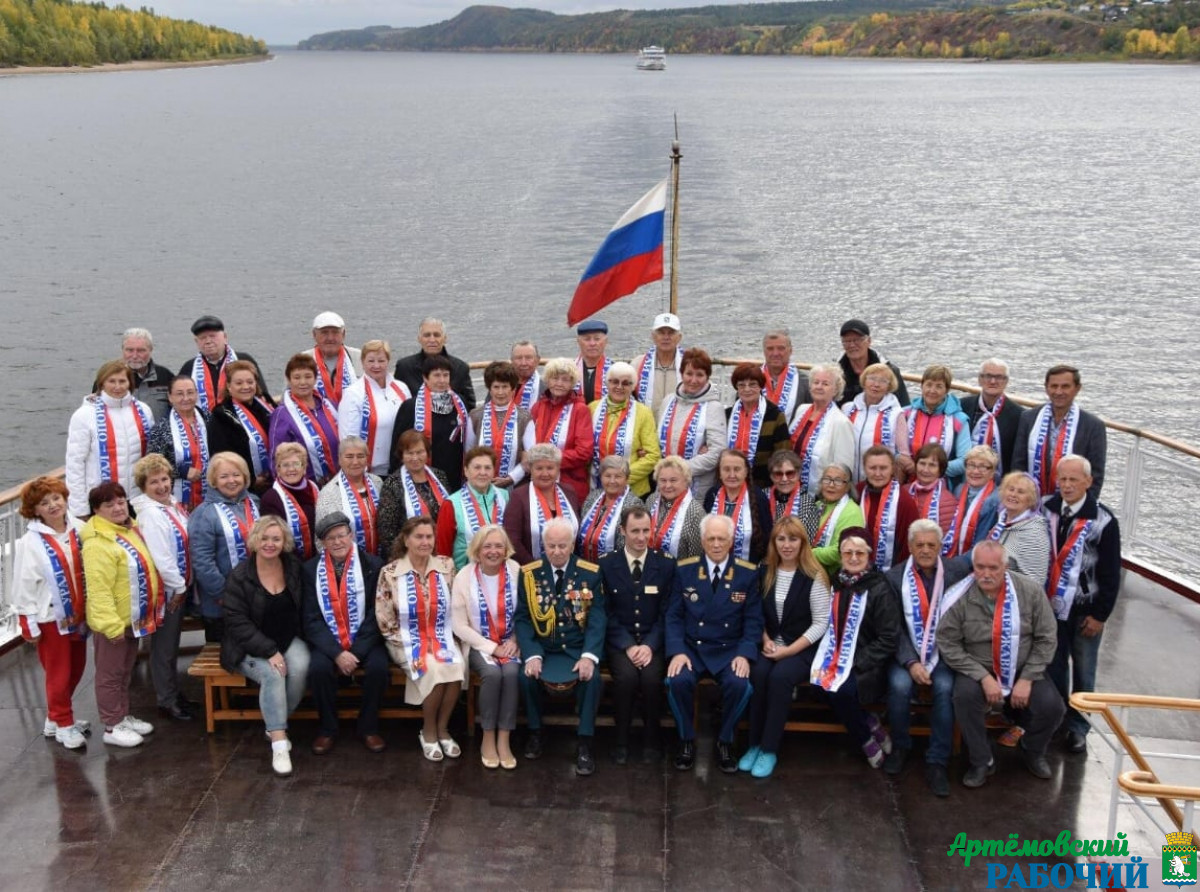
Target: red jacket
x,y
577,443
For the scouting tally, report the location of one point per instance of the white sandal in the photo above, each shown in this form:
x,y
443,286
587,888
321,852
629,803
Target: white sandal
x,y
433,751
449,747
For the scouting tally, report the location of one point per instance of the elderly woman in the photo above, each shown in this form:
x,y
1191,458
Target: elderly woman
x,y
163,522
929,489
355,493
307,418
48,597
485,597
124,604
415,489
795,604
1022,528
181,437
294,497
850,665
414,609
691,423
242,421
755,427
787,497
440,415
745,504
561,418
821,433
537,501
839,512
106,436
623,427
937,417
600,517
477,504
502,424
878,418
369,406
217,533
976,505
263,629
675,514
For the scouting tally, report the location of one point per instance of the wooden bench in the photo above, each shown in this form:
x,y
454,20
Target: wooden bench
x,y
227,695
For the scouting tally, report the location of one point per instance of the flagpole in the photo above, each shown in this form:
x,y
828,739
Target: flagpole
x,y
676,157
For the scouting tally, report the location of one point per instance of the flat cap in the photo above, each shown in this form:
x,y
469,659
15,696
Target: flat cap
x,y
592,325
207,323
331,522
329,320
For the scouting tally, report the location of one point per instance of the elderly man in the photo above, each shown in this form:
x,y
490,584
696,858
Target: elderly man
x,y
561,625
622,426
338,612
525,359
207,367
338,366
1059,428
658,370
857,354
431,335
151,381
994,417
787,386
1009,671
592,364
1085,579
888,510
636,582
713,627
920,584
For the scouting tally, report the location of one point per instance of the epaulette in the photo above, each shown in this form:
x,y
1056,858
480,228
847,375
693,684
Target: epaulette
x,y
587,565
532,565
745,565
687,562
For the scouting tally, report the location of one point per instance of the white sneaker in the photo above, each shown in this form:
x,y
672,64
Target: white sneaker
x,y
136,724
50,729
70,737
281,762
267,734
122,735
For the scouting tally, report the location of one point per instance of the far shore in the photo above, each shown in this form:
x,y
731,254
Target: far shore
x,y
140,65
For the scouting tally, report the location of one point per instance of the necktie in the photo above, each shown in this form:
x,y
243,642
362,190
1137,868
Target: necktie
x,y
1064,524
558,582
716,577
637,570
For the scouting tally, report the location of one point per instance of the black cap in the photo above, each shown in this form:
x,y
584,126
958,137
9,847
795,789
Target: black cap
x,y
331,522
856,533
207,323
855,326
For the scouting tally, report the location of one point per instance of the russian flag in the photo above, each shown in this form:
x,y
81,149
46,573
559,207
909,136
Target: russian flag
x,y
630,256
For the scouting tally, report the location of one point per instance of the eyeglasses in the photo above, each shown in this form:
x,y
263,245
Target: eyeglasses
x,y
291,466
990,377
785,473
834,481
621,383
855,553
852,341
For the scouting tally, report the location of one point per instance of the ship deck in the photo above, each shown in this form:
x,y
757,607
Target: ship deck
x,y
190,810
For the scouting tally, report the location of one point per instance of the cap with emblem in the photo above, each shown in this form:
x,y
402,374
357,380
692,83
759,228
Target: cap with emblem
x,y
667,320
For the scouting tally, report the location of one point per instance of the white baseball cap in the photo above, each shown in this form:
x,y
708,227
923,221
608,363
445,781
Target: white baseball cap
x,y
329,320
666,320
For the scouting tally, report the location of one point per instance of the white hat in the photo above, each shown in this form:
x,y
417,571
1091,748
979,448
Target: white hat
x,y
666,320
329,320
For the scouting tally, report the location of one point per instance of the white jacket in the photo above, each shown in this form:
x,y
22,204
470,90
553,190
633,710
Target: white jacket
x,y
32,591
155,523
83,455
387,404
835,444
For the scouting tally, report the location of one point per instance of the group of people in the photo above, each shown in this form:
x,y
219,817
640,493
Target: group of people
x,y
821,530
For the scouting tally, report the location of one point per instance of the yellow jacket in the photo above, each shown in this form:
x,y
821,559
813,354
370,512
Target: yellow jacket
x,y
106,570
645,445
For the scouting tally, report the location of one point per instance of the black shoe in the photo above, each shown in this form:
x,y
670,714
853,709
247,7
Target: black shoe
x,y
977,776
938,780
186,703
533,746
1037,764
176,713
686,757
725,760
894,763
620,754
584,763
651,756
1076,743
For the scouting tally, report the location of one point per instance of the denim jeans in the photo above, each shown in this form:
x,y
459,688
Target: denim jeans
x,y
1081,654
278,695
941,717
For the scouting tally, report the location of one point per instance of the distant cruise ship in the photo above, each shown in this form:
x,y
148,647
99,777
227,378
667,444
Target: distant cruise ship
x,y
652,58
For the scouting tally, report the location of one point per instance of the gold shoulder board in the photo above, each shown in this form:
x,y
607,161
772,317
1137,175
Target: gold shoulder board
x,y
687,562
745,565
532,565
587,565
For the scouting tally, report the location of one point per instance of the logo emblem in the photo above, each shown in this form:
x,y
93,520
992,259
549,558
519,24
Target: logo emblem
x,y
1179,860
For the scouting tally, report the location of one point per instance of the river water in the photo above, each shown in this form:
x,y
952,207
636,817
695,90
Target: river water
x,y
1040,213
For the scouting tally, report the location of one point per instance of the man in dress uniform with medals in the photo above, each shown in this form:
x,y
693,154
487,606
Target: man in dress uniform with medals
x,y
714,626
561,624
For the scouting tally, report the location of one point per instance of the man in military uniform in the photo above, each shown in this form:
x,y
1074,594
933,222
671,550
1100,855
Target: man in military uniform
x,y
561,624
714,625
636,581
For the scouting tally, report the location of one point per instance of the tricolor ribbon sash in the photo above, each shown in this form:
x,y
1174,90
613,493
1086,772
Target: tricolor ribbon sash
x,y
598,529
146,604
333,387
190,442
69,591
342,601
321,447
668,522
745,428
688,443
424,622
497,626
1063,585
1045,455
540,512
362,510
738,509
208,390
835,654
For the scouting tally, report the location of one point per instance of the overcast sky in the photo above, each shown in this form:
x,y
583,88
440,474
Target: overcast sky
x,y
289,21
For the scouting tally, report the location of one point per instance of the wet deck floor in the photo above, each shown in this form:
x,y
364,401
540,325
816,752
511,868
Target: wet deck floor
x,y
189,810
